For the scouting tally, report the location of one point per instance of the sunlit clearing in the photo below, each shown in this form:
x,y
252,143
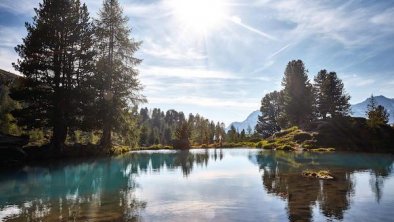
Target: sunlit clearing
x,y
199,15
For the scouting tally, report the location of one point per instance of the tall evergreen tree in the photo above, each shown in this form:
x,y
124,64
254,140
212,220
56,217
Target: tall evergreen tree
x,y
297,94
377,114
271,113
55,58
331,98
118,85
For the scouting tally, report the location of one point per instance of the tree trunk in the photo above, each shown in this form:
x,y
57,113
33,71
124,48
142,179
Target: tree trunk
x,y
106,140
59,128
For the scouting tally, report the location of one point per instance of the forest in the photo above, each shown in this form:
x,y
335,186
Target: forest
x,y
80,88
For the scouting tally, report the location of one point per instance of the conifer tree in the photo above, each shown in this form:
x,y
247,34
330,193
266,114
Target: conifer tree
x,y
331,98
271,113
55,59
117,83
377,114
297,94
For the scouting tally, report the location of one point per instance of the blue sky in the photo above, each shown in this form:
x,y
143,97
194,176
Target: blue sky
x,y
219,57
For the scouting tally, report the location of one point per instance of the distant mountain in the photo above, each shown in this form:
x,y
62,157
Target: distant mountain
x,y
251,121
359,109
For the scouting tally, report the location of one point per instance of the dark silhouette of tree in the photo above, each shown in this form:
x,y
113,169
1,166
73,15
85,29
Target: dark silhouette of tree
x,y
271,114
331,98
56,60
116,74
377,114
297,94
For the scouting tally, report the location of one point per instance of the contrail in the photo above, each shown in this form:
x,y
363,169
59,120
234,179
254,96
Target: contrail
x,y
238,21
279,51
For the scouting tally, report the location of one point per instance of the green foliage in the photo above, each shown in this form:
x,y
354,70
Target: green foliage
x,y
116,76
331,98
232,135
7,105
182,131
56,60
297,94
159,127
38,137
272,108
377,115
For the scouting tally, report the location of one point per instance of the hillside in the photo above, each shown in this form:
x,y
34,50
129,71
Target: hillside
x,y
7,78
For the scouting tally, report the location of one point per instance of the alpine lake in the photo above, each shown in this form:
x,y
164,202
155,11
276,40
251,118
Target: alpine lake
x,y
203,185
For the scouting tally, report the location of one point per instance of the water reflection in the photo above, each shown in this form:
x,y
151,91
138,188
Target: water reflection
x,y
98,190
281,176
237,184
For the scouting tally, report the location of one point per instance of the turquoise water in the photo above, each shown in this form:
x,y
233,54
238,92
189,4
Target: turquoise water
x,y
203,185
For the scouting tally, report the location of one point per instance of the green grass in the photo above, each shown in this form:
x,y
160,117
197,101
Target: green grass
x,y
323,149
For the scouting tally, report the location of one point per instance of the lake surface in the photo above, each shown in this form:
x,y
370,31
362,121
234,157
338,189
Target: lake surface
x,y
203,185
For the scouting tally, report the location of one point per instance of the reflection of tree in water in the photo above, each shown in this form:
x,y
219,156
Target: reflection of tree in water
x,y
184,160
378,175
282,177
101,190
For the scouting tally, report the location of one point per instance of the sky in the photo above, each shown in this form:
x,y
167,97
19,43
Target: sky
x,y
218,58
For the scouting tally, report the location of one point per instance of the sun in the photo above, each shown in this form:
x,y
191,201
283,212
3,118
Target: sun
x,y
199,15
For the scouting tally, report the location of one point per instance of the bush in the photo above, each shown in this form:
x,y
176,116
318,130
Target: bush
x,y
269,146
260,144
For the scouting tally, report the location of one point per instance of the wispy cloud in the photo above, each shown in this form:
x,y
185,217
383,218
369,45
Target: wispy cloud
x,y
347,25
172,51
186,72
237,20
19,7
357,81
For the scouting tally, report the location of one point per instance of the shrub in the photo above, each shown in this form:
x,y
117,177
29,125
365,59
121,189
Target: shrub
x,y
269,146
260,144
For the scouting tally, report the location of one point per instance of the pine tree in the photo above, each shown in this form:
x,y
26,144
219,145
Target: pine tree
x,y
331,98
118,85
297,94
271,112
377,114
55,58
